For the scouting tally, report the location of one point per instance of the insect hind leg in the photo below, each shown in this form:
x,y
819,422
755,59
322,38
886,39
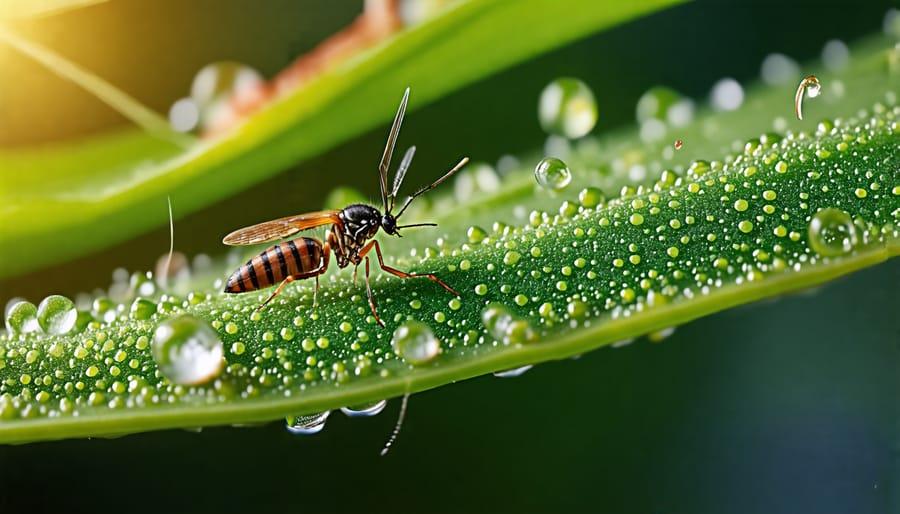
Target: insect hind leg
x,y
300,276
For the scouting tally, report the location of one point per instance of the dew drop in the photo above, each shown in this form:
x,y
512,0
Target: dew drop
x,y
56,314
778,68
187,350
727,95
415,343
184,115
515,372
567,108
21,318
218,83
504,327
655,103
832,233
365,410
553,174
307,424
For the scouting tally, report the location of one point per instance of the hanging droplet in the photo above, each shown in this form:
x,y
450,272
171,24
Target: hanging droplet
x,y
553,174
365,410
187,350
307,424
567,108
511,373
57,314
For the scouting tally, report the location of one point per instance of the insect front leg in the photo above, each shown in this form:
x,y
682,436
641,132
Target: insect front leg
x,y
369,294
402,274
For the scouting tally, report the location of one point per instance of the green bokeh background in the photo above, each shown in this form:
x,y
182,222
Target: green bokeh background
x,y
785,406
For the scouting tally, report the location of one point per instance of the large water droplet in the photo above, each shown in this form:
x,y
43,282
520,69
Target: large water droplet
x,y
415,343
57,314
832,233
307,424
21,318
567,107
365,410
504,326
187,350
553,174
654,103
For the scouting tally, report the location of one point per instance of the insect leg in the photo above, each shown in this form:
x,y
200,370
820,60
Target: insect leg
x,y
326,252
402,274
369,294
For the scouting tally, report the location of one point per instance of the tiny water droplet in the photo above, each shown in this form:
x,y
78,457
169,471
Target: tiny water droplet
x,y
832,233
57,314
553,174
567,107
515,372
187,350
307,424
21,318
415,343
365,410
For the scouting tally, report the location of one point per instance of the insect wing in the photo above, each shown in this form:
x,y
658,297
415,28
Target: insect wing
x,y
281,228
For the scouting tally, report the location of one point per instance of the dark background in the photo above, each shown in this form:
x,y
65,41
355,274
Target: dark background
x,y
784,406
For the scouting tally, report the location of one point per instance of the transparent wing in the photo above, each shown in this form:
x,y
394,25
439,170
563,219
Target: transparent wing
x,y
389,149
281,228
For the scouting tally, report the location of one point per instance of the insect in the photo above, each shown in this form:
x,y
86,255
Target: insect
x,y
348,237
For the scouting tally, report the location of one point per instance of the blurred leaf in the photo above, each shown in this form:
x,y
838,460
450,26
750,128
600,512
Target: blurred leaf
x,y
767,217
70,199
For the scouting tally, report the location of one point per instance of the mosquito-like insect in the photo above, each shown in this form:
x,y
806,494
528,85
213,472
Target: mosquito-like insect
x,y
348,237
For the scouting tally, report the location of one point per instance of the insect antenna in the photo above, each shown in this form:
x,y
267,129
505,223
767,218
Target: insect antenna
x,y
389,150
447,175
401,173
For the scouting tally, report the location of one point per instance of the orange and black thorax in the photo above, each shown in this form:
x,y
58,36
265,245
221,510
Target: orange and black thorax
x,y
359,223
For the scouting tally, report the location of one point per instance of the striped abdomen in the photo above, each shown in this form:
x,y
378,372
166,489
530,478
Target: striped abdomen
x,y
296,257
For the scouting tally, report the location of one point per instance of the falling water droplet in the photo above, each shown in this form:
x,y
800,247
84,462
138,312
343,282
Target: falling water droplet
x,y
515,372
57,314
21,318
567,107
553,174
187,350
307,424
415,343
365,410
832,233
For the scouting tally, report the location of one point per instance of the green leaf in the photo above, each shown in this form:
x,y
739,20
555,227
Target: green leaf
x,y
767,217
64,211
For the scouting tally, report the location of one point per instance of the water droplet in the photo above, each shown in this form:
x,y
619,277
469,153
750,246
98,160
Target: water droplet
x,y
727,95
187,350
515,372
21,318
504,327
365,410
835,55
219,83
142,308
57,314
553,174
778,68
415,343
655,103
184,115
832,233
307,424
567,107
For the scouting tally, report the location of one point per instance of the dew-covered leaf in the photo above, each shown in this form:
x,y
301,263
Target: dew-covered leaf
x,y
568,272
